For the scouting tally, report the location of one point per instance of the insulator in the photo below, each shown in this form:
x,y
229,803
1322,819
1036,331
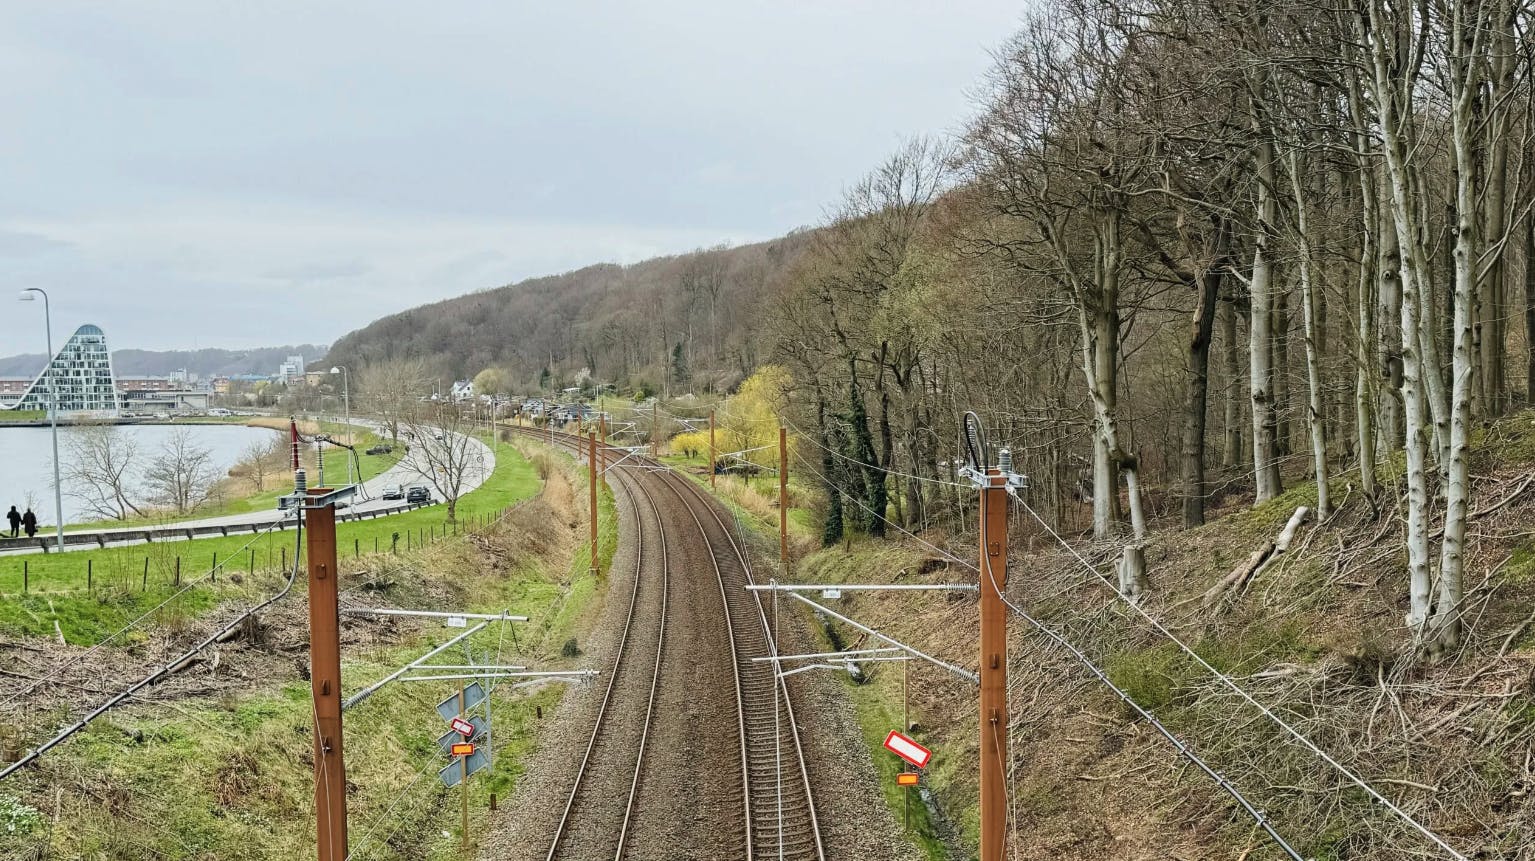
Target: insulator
x,y
1005,461
300,481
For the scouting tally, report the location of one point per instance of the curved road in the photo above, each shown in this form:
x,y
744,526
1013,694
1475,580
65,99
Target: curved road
x,y
404,473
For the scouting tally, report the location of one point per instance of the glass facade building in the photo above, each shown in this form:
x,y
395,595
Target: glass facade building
x,y
80,375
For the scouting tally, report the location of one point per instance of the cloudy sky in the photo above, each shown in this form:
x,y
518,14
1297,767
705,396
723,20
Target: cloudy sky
x,y
223,174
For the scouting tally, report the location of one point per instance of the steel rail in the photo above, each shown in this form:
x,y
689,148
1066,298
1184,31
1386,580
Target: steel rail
x,y
567,816
779,680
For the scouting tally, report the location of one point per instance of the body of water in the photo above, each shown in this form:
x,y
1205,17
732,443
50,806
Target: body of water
x,y
26,461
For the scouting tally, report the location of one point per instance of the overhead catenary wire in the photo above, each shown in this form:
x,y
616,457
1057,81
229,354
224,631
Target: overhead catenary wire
x,y
1231,685
100,644
1225,680
165,669
1178,744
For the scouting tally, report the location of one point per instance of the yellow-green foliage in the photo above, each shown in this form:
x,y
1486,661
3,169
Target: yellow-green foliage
x,y
750,418
696,442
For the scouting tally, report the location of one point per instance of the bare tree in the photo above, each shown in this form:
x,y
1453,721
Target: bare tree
x,y
259,461
392,389
98,470
443,452
182,475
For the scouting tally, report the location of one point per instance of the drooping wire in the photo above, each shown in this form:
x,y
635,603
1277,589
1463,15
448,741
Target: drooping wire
x,y
1178,744
164,670
1227,682
59,668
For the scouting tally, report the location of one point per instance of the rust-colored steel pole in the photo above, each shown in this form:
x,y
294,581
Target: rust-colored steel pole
x,y
325,680
783,496
712,454
993,666
591,472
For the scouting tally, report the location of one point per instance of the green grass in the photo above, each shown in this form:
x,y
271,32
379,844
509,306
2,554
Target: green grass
x,y
22,416
229,777
57,587
279,483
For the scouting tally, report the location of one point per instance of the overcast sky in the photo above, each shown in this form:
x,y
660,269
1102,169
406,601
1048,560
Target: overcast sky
x,y
223,174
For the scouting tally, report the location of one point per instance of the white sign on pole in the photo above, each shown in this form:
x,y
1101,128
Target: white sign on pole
x,y
831,594
456,622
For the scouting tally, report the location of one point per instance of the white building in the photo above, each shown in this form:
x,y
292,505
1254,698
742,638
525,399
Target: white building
x,y
79,378
290,370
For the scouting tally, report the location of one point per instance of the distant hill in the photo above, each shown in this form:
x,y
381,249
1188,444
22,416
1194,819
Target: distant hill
x,y
204,363
690,321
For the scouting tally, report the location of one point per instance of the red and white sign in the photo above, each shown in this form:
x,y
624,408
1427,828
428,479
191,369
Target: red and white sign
x,y
462,727
907,749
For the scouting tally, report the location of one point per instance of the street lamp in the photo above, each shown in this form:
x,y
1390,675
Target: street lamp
x,y
27,295
346,382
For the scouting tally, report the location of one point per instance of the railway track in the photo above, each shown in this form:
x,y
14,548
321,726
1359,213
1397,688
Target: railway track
x,y
774,813
587,829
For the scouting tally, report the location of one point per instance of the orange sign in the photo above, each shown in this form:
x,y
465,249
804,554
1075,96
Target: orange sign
x,y
463,749
906,778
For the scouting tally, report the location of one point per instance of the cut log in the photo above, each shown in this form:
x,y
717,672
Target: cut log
x,y
1236,582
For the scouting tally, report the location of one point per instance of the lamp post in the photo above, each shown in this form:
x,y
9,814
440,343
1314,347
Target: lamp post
x,y
346,395
53,407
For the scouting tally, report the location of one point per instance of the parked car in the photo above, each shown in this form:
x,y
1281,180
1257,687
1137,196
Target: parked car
x,y
418,493
394,491
381,449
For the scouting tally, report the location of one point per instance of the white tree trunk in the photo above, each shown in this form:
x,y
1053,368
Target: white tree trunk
x,y
1389,102
1260,347
1314,406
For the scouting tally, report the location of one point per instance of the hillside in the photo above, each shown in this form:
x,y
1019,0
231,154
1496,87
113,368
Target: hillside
x,y
205,363
691,319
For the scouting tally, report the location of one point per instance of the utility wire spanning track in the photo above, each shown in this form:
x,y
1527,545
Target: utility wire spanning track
x,y
777,817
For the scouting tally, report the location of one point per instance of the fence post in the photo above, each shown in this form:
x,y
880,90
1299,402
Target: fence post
x,y
178,570
356,548
283,565
26,576
251,570
90,585
213,573
145,584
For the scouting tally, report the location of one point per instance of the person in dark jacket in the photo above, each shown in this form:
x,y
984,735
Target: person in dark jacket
x,y
29,523
14,517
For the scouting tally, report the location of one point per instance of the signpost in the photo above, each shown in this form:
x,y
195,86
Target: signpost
x,y
463,727
907,748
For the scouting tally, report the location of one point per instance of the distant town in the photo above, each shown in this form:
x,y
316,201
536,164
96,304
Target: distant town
x,y
81,375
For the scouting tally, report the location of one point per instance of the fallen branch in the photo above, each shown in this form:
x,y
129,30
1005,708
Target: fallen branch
x,y
1236,582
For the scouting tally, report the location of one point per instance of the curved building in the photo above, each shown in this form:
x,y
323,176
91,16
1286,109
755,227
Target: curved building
x,y
80,377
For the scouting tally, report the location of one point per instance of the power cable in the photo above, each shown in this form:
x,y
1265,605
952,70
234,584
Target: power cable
x,y
163,671
1239,691
145,615
1182,748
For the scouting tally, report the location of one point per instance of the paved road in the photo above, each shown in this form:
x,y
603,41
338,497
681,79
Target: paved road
x,y
406,472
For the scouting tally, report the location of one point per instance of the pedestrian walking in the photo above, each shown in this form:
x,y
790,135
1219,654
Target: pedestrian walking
x,y
14,517
29,523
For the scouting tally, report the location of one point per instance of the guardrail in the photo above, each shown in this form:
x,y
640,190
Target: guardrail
x,y
149,535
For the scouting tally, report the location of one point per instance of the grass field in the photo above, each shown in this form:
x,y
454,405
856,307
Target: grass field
x,y
126,581
228,776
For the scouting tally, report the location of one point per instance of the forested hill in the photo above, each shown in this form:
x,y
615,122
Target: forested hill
x,y
695,317
206,362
